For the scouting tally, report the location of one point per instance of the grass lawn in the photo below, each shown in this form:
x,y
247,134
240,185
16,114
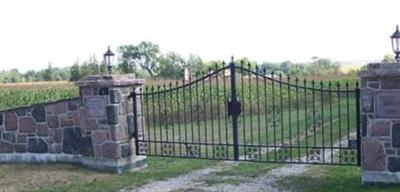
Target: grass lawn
x,y
332,179
59,177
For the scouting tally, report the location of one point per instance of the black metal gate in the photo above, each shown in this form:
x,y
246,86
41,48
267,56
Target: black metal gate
x,y
246,114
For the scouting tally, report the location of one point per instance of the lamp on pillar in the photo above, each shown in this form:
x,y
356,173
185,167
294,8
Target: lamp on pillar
x,y
108,57
396,44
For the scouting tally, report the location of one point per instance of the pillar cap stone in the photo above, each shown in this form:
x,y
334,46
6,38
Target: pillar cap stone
x,y
109,80
381,70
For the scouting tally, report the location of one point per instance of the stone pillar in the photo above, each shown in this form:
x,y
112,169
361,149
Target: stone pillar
x,y
107,115
380,123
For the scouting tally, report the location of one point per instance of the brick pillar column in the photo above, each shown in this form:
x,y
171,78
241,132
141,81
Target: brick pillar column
x,y
108,117
380,123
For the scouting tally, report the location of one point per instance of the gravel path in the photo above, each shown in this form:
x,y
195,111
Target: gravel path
x,y
195,181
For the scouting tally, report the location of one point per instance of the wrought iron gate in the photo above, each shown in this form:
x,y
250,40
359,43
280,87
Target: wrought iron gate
x,y
243,113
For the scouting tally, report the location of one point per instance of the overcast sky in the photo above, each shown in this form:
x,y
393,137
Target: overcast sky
x,y
36,32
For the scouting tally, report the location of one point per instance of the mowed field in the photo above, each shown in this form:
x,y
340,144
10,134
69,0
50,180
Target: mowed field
x,y
60,177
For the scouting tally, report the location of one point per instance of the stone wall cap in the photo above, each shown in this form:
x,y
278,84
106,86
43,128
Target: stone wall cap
x,y
381,70
109,80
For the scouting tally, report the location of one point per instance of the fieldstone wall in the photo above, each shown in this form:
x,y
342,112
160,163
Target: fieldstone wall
x,y
380,123
94,130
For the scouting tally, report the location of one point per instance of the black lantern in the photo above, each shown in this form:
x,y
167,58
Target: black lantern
x,y
396,44
108,56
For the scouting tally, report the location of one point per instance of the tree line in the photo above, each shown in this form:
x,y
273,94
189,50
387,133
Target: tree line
x,y
146,60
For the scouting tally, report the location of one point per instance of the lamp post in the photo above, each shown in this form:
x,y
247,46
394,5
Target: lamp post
x,y
396,44
108,56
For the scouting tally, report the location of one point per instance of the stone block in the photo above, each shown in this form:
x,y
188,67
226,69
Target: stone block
x,y
95,107
111,150
380,128
6,147
43,130
55,148
364,123
58,134
394,164
388,104
22,138
131,127
66,120
390,83
85,146
99,137
373,84
126,150
112,114
103,91
10,137
71,140
11,121
98,151
37,145
39,114
91,124
372,155
27,125
20,112
367,101
390,151
73,105
115,96
20,148
396,135
57,108
52,121
86,91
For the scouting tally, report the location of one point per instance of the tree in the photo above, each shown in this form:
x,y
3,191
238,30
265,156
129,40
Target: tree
x,y
388,58
75,72
48,73
171,65
145,55
195,64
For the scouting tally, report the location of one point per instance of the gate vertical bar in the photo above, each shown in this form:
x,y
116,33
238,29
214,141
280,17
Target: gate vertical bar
x,y
234,113
357,95
135,125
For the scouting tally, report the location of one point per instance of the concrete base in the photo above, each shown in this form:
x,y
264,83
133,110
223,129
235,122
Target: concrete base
x,y
117,166
380,177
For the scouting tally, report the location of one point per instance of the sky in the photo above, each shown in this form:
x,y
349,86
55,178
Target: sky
x,y
34,33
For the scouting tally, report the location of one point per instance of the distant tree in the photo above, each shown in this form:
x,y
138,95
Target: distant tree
x,y
144,55
75,72
48,74
195,64
171,65
388,58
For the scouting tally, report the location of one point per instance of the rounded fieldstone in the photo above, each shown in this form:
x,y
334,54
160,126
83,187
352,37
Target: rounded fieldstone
x,y
37,145
39,114
111,150
126,150
115,96
85,146
396,135
52,121
10,137
6,147
112,114
394,164
71,140
11,121
381,128
27,125
372,155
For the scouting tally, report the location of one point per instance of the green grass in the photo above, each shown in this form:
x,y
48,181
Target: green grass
x,y
158,169
332,179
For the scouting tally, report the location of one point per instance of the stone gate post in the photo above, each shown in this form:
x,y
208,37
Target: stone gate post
x,y
107,114
380,123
